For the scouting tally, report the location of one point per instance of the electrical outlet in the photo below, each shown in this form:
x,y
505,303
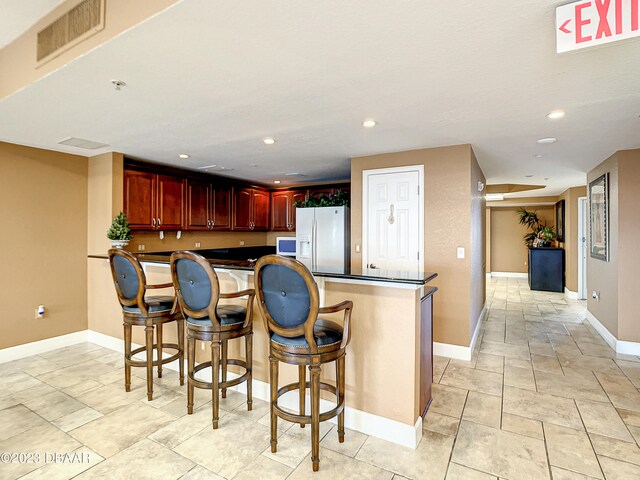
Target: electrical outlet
x,y
460,252
202,346
40,312
242,243
140,247
197,244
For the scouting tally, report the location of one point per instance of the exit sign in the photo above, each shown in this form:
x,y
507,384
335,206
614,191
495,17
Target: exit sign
x,y
588,23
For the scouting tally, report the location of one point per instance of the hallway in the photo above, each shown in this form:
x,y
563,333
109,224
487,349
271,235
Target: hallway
x,y
543,394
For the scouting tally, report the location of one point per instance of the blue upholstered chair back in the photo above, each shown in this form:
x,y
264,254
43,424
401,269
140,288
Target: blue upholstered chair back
x,y
126,277
194,284
286,295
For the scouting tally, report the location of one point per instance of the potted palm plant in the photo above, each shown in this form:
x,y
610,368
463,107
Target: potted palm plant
x,y
119,232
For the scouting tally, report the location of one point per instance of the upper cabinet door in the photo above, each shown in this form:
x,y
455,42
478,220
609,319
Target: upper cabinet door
x,y
295,197
280,211
198,205
242,203
140,199
320,192
261,202
170,203
221,208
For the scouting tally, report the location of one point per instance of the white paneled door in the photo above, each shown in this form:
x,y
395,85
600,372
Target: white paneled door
x,y
393,224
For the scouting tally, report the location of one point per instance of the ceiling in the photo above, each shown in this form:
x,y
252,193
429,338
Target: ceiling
x,y
17,16
212,78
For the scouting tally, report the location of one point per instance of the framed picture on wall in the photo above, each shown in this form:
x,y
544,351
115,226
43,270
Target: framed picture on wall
x,y
560,221
599,217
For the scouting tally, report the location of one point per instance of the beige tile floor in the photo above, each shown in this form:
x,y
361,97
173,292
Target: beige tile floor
x,y
543,397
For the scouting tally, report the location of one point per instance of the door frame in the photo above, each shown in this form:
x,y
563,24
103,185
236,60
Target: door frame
x,y
365,207
583,220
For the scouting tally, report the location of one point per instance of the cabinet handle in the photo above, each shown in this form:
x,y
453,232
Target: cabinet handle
x,y
159,223
153,222
213,223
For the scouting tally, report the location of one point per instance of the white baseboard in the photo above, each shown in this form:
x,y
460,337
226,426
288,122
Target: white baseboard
x,y
458,351
509,275
620,346
41,346
570,294
367,423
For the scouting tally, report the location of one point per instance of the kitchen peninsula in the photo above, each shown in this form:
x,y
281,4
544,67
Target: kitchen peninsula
x,y
389,360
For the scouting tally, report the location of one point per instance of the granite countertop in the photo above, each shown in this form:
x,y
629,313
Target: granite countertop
x,y
244,258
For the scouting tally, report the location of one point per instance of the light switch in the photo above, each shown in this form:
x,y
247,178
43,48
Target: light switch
x,y
460,252
357,248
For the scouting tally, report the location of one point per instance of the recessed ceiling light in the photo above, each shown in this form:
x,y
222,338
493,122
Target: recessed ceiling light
x,y
294,174
207,166
547,140
537,155
528,176
555,115
369,123
276,181
269,140
183,155
253,165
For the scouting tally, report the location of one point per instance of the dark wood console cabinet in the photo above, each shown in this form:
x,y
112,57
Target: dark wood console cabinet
x,y
546,269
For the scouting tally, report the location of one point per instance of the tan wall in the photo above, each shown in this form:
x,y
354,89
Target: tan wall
x,y
508,251
19,57
603,276
477,252
628,242
447,203
570,243
104,199
44,243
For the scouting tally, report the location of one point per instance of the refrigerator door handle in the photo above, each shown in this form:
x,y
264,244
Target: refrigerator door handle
x,y
313,245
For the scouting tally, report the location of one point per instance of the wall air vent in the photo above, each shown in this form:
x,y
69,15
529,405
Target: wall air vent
x,y
82,143
73,27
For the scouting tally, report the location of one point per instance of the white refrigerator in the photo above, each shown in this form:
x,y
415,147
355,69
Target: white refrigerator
x,y
322,238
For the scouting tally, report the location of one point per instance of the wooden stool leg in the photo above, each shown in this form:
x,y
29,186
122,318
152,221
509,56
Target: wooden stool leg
x,y
127,357
273,382
315,416
302,380
215,376
148,330
180,325
340,387
225,353
249,359
191,362
159,340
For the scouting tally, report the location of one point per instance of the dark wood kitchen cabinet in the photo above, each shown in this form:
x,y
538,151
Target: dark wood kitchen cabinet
x,y
153,202
250,209
208,206
283,210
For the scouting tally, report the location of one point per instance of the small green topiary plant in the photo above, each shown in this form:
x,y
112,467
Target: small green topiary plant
x,y
119,229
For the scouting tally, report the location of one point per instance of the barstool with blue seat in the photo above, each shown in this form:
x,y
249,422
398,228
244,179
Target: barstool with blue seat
x,y
198,291
151,312
289,301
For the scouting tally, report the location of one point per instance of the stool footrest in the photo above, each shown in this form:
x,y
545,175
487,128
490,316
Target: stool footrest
x,y
306,419
228,383
143,363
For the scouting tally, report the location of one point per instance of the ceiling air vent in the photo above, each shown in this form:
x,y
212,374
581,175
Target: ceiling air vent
x,y
73,27
82,143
